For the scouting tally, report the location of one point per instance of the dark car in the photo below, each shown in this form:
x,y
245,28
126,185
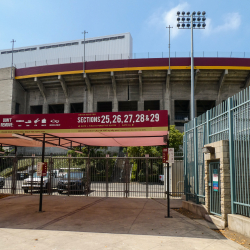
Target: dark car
x,y
2,182
75,183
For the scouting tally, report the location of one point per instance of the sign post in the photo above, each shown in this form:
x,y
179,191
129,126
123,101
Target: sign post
x,y
41,185
168,157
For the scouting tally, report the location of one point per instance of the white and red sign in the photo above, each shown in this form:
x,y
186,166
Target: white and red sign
x,y
168,155
42,168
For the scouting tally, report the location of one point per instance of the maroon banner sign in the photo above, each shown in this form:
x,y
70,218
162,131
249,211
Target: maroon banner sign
x,y
84,122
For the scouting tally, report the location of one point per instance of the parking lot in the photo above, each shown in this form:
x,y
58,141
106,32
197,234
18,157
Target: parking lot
x,y
98,189
80,222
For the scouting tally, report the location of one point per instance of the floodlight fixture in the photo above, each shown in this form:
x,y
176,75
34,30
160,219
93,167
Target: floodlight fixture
x,y
191,20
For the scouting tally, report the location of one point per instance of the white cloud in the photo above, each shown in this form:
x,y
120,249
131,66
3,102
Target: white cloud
x,y
232,21
161,19
170,17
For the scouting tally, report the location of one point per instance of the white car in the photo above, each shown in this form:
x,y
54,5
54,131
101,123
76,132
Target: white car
x,y
34,181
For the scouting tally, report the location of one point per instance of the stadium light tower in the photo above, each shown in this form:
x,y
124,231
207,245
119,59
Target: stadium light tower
x,y
191,21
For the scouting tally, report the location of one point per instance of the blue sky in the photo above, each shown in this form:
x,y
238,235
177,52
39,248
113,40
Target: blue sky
x,y
33,22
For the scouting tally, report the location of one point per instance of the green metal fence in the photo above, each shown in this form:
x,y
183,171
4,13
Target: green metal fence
x,y
228,121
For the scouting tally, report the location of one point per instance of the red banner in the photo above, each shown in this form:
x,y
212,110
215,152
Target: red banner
x,y
164,155
85,122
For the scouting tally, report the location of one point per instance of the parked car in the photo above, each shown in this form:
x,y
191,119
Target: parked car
x,y
34,182
75,183
2,182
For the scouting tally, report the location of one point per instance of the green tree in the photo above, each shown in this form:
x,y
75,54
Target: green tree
x,y
175,141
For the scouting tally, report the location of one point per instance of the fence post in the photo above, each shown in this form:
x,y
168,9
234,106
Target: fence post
x,y
69,174
185,161
49,185
208,126
195,160
231,153
88,177
107,180
14,172
146,175
32,172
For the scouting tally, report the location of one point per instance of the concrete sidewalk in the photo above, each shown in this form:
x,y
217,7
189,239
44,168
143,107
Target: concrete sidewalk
x,y
101,223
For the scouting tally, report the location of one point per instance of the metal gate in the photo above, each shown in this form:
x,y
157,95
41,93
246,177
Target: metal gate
x,y
91,176
214,173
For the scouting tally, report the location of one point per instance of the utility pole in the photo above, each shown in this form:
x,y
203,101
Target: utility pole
x,y
85,93
84,32
169,71
13,41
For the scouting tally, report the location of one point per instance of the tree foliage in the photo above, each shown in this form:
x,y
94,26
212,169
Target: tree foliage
x,y
175,141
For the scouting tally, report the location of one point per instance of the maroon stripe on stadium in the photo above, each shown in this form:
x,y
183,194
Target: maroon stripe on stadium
x,y
130,63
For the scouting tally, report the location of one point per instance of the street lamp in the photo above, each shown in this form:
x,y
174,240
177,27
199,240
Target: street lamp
x,y
191,21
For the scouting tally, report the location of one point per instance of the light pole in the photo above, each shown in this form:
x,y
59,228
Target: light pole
x,y
13,41
169,71
85,93
193,21
84,32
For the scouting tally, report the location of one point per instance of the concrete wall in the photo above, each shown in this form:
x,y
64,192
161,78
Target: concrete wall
x,y
6,91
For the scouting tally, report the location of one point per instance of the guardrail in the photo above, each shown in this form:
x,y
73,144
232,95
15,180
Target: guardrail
x,y
124,56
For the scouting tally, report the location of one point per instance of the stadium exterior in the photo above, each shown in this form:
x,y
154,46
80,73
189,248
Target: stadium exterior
x,y
114,80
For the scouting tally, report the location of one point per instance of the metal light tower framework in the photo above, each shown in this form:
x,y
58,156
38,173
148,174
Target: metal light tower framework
x,y
191,21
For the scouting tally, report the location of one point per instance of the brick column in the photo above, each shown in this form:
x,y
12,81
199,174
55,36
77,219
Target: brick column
x,y
222,155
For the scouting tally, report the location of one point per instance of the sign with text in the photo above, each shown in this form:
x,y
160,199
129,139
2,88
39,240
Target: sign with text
x,y
215,180
85,122
168,155
42,168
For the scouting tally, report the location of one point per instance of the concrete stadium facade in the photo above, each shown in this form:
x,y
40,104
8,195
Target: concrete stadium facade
x,y
123,85
96,48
